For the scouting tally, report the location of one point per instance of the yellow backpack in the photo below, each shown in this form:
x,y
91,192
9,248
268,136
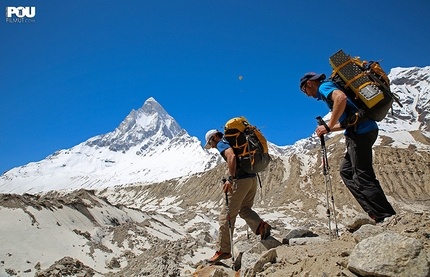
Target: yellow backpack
x,y
249,145
365,83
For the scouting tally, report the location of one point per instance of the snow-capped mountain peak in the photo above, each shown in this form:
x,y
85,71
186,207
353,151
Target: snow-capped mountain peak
x,y
150,121
140,149
152,117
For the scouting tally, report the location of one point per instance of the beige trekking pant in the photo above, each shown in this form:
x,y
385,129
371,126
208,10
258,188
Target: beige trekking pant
x,y
240,201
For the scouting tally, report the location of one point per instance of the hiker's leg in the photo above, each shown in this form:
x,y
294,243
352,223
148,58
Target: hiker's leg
x,y
347,171
223,239
235,199
366,178
246,212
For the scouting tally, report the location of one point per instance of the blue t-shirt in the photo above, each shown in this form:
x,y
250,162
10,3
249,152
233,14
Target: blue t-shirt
x,y
325,89
223,145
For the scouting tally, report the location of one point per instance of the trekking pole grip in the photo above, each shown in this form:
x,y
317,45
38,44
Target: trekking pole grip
x,y
321,122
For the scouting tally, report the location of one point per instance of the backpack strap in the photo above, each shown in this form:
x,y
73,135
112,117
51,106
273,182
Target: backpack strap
x,y
337,68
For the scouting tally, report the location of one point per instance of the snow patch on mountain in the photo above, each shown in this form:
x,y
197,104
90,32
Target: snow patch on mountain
x,y
412,86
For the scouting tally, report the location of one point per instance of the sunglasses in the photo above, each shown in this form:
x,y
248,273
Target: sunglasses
x,y
304,87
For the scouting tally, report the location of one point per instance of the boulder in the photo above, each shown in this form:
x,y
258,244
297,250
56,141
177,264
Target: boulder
x,y
389,254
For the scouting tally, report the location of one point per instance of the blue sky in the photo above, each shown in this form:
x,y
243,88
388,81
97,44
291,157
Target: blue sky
x,y
78,68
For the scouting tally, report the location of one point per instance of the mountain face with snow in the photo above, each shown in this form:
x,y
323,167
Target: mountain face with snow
x,y
148,146
140,128
412,85
145,146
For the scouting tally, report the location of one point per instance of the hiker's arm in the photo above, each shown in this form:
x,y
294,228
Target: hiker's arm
x,y
339,104
231,162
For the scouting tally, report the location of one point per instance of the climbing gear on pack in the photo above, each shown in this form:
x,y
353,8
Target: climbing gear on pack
x,y
366,85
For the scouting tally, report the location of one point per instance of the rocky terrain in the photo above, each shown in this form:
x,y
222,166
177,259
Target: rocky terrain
x,y
316,256
169,228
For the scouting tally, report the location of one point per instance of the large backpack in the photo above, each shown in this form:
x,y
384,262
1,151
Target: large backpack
x,y
366,85
249,145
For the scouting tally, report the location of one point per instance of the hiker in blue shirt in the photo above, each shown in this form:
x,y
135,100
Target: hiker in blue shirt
x,y
356,168
240,188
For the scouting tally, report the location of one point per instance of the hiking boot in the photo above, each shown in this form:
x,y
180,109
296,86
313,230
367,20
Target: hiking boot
x,y
219,256
388,221
264,230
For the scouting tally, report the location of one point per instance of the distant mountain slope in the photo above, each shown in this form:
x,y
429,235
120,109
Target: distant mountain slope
x,y
412,85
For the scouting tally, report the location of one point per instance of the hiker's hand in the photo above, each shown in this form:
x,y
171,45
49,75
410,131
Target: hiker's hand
x,y
227,186
321,130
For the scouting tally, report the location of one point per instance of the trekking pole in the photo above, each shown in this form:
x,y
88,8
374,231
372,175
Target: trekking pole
x,y
327,182
233,266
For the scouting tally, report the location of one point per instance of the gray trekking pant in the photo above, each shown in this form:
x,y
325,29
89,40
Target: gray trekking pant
x,y
241,201
357,173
